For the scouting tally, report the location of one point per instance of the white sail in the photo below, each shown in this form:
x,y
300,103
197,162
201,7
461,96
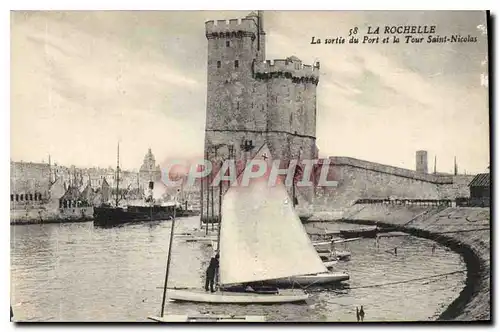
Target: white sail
x,y
262,237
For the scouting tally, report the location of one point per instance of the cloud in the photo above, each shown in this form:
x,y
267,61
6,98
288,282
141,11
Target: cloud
x,y
86,77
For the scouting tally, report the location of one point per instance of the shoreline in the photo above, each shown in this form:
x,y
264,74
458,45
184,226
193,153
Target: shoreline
x,y
49,221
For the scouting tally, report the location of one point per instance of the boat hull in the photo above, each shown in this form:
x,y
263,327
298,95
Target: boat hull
x,y
329,264
362,233
339,255
309,280
201,296
112,216
206,318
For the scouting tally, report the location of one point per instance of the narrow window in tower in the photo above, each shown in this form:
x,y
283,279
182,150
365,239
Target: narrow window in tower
x,y
228,43
236,64
218,64
238,105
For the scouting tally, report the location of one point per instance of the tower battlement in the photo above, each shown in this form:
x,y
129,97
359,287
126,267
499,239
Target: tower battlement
x,y
228,27
291,67
256,101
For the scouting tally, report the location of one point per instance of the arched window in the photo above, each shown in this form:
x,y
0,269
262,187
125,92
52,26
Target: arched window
x,y
17,197
12,198
22,197
218,64
236,63
31,197
228,43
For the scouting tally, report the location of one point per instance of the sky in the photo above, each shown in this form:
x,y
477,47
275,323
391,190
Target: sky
x,y
81,81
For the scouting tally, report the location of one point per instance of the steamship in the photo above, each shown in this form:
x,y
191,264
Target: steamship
x,y
107,215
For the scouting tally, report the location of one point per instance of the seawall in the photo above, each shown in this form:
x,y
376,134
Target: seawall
x,y
464,230
358,179
49,216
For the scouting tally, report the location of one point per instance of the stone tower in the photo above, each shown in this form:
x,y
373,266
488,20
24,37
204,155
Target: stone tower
x,y
421,162
251,101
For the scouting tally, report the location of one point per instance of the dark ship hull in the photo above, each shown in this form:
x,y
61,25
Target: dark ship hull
x,y
107,216
367,233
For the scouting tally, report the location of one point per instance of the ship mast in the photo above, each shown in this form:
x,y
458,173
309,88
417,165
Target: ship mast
x,y
117,175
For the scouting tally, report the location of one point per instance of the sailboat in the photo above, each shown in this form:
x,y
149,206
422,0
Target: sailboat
x,y
261,239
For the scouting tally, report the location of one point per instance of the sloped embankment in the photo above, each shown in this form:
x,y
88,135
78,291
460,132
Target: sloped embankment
x,y
464,230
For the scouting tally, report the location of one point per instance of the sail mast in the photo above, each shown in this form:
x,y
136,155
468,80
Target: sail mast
x,y
168,263
117,174
294,197
215,148
262,235
201,203
208,195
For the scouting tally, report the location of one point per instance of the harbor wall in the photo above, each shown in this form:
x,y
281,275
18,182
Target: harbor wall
x,y
465,230
50,215
358,179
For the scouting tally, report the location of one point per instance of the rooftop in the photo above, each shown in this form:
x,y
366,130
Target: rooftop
x,y
480,180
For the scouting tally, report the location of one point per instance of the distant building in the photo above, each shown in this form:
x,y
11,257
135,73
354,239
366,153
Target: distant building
x,y
480,190
29,184
71,198
149,171
421,162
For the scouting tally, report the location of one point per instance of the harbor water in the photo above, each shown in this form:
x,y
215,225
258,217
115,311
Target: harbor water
x,y
79,272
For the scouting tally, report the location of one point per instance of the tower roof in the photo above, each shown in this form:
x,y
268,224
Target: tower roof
x,y
253,14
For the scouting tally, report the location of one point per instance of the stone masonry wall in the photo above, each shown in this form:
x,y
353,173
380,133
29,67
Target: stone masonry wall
x,y
362,179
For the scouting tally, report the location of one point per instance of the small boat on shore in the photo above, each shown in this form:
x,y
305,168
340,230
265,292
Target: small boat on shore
x,y
370,232
328,244
329,264
340,255
309,280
